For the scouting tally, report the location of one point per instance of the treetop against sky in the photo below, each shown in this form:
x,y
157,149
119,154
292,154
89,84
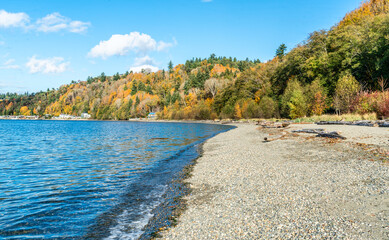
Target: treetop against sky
x,y
44,44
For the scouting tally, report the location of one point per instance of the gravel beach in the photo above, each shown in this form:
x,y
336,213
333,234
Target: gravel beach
x,y
297,186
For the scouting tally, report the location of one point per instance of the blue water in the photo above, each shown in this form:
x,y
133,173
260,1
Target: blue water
x,y
89,179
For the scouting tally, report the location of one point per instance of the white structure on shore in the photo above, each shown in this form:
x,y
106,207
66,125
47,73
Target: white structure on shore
x,y
85,115
65,116
152,115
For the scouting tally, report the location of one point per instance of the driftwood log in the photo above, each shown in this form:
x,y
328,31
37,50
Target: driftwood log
x,y
320,133
365,123
273,125
314,131
330,135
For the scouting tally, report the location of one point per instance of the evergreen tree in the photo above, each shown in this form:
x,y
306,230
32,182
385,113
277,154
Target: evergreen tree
x,y
134,88
137,101
89,80
116,77
141,86
149,90
281,50
102,77
170,66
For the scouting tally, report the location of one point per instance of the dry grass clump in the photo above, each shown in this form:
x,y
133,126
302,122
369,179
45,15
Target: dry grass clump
x,y
343,117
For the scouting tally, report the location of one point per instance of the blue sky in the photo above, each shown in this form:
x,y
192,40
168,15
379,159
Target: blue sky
x,y
45,43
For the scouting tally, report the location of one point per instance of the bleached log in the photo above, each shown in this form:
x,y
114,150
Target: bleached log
x,y
314,131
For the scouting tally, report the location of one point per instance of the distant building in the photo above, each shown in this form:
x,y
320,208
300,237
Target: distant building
x,y
65,116
152,115
85,115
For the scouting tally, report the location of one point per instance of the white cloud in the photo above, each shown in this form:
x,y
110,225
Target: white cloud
x,y
53,22
146,60
163,45
48,65
120,45
13,19
2,43
144,67
56,22
206,0
9,65
146,63
78,26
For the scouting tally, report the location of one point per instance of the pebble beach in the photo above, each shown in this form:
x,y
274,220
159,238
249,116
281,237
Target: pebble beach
x,y
296,186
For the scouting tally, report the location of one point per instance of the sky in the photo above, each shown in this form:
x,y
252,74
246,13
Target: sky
x,y
46,43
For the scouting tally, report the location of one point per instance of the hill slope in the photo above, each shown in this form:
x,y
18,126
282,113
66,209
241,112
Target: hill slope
x,y
324,73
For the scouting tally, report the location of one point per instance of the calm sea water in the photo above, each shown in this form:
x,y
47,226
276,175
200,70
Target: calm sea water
x,y
89,179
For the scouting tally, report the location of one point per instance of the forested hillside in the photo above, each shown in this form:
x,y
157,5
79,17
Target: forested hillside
x,y
344,69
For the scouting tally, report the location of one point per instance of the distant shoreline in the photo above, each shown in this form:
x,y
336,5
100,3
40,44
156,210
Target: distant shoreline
x,y
144,120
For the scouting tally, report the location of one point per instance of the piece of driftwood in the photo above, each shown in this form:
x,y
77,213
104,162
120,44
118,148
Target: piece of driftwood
x,y
266,139
365,123
383,124
313,131
320,133
330,135
273,125
332,123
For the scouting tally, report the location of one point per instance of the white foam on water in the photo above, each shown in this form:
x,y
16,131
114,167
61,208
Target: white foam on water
x,y
127,229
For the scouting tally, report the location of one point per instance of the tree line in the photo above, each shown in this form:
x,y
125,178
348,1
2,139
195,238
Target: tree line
x,y
341,70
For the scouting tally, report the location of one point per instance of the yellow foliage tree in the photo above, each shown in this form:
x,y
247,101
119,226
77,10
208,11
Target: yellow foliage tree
x,y
25,111
67,109
237,112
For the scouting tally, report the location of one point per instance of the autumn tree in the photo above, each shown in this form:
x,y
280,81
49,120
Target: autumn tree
x,y
237,112
316,98
212,86
346,90
267,107
25,111
297,104
293,101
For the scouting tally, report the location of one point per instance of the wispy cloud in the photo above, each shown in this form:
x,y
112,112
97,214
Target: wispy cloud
x,y
146,60
164,45
56,22
119,45
47,65
9,64
18,87
206,0
53,22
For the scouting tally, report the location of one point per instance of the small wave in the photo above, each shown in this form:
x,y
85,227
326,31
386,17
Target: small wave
x,y
127,228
